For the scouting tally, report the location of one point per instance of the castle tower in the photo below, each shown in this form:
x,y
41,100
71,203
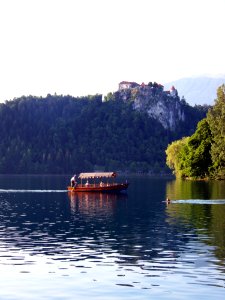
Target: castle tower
x,y
173,92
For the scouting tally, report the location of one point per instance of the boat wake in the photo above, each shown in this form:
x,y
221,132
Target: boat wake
x,y
31,191
199,201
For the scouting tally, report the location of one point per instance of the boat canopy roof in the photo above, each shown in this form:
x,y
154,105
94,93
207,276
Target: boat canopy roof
x,y
97,175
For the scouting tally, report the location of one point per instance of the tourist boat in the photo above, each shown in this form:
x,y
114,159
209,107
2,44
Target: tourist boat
x,y
99,182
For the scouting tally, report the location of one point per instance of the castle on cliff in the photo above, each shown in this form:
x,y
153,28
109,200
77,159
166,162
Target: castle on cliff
x,y
123,85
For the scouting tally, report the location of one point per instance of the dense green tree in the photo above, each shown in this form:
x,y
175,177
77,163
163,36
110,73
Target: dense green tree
x,y
191,156
173,155
202,155
216,119
195,157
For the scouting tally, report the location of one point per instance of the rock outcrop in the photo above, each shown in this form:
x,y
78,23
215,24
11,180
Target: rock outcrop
x,y
164,106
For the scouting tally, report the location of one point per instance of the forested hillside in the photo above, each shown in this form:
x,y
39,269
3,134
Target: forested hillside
x,y
63,134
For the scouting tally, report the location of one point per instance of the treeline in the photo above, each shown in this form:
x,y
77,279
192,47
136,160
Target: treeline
x,y
63,134
202,155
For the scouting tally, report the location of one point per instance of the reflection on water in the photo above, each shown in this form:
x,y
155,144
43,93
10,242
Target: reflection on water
x,y
202,207
94,203
111,246
189,189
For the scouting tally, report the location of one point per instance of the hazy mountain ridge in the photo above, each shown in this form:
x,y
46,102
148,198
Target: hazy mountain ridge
x,y
197,90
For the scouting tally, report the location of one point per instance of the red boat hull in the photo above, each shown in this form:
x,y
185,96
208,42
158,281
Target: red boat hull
x,y
116,187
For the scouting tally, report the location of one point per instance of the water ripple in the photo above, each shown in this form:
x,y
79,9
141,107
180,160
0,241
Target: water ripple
x,y
108,247
31,191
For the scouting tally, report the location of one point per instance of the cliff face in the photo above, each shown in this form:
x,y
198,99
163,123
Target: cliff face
x,y
164,106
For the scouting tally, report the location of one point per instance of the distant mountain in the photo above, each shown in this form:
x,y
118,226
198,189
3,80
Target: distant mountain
x,y
197,90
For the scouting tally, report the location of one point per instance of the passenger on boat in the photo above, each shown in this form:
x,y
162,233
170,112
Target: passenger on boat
x,y
87,183
73,180
101,183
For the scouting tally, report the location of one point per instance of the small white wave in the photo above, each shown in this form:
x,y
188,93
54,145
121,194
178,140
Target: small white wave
x,y
31,191
199,201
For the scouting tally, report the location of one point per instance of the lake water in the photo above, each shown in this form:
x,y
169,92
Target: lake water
x,y
106,246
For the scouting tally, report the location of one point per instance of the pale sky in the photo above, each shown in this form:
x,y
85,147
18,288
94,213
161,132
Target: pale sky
x,y
82,47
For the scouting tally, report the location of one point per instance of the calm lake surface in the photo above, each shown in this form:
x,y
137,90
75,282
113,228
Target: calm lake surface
x,y
106,246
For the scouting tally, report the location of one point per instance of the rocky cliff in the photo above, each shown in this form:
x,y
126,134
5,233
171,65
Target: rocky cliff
x,y
164,106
